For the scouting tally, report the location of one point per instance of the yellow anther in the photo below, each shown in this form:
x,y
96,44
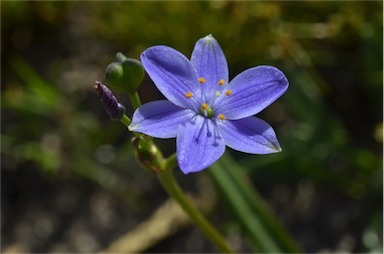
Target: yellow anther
x,y
204,106
221,117
221,82
228,92
202,80
188,95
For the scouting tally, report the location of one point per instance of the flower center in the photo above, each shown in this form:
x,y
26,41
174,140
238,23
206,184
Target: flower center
x,y
206,110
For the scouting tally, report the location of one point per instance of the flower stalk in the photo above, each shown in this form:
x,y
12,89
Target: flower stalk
x,y
170,184
150,157
125,120
135,100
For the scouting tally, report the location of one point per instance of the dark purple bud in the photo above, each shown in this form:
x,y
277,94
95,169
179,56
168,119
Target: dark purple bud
x,y
114,109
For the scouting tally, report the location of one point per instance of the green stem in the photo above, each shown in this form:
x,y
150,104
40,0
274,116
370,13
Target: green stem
x,y
125,120
135,100
170,184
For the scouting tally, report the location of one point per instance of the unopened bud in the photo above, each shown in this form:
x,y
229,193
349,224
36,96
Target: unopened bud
x,y
120,57
125,75
114,109
147,153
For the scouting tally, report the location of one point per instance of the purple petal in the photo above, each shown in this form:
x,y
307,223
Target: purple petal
x,y
252,91
199,144
249,135
173,74
159,119
210,64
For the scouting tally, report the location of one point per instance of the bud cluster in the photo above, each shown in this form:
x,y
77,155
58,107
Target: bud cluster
x,y
125,75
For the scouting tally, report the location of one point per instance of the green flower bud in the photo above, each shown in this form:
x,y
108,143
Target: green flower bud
x,y
114,75
120,57
133,73
125,75
147,153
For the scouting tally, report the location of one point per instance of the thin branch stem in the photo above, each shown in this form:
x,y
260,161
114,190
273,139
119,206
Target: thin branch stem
x,y
170,184
125,120
135,100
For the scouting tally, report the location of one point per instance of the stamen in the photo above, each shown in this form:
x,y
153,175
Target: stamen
x,y
188,95
228,92
202,80
221,82
221,117
204,106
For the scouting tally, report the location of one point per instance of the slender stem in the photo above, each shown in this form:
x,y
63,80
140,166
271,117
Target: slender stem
x,y
125,120
135,100
170,184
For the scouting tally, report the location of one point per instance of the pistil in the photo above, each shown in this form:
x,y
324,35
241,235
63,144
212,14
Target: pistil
x,y
206,110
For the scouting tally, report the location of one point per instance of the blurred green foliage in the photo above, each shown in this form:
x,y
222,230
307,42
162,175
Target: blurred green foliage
x,y
329,123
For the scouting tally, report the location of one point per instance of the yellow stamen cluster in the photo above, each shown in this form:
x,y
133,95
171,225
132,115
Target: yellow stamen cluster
x,y
228,92
188,95
202,80
221,117
204,106
221,82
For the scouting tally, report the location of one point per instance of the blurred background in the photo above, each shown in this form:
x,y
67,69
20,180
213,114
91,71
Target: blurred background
x,y
70,182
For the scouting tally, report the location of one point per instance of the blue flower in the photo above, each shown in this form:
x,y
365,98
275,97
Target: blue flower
x,y
204,111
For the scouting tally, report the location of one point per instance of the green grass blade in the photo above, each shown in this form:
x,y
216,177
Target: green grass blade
x,y
257,204
259,236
